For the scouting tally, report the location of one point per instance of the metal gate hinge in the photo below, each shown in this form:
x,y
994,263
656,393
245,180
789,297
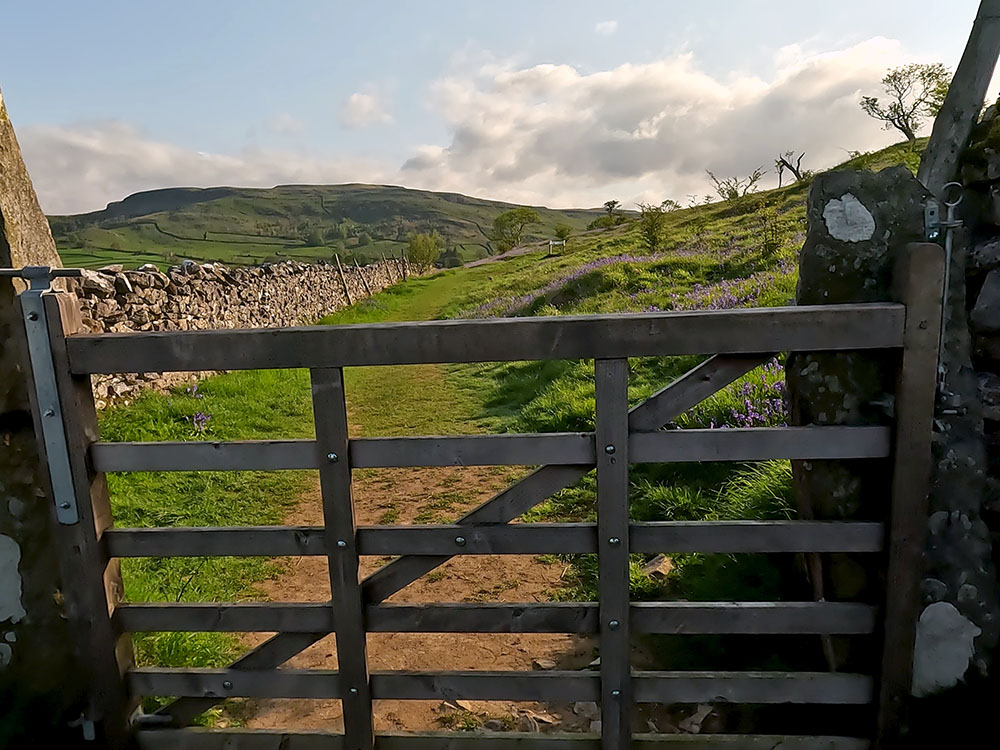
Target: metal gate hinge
x,y
932,220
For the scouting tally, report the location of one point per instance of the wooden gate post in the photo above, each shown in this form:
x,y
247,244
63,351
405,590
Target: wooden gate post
x,y
92,585
919,280
611,395
330,412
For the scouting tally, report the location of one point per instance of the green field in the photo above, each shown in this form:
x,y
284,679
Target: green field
x,y
244,226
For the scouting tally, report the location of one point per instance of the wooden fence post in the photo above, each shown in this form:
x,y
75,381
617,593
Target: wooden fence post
x,y
343,280
919,278
960,110
611,393
330,412
91,586
364,281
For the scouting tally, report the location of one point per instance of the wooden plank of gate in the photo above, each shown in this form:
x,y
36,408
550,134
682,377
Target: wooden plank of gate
x,y
694,386
759,444
473,450
486,539
812,328
815,688
92,585
611,398
575,448
919,281
330,415
682,618
257,739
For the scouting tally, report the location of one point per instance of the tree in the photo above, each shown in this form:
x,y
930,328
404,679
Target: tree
x,y
914,91
336,232
508,227
652,225
424,250
611,207
734,189
364,239
313,237
563,231
785,161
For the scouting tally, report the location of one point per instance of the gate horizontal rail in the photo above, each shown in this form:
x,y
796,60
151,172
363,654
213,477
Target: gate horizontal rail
x,y
820,688
567,449
258,739
496,539
737,341
689,618
779,329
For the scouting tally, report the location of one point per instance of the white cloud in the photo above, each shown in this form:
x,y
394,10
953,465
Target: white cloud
x,y
554,135
82,168
606,27
547,134
363,110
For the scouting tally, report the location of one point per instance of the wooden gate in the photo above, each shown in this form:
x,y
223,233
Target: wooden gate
x,y
736,340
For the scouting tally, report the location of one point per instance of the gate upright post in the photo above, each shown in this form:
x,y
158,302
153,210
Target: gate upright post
x,y
611,396
92,584
330,415
919,278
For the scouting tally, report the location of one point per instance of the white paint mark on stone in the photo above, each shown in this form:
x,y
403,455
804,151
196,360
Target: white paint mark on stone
x,y
6,654
10,580
943,649
10,637
848,220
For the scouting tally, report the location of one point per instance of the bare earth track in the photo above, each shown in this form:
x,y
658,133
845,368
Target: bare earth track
x,y
429,495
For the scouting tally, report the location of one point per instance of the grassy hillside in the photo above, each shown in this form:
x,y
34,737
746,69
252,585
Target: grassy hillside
x,y
301,222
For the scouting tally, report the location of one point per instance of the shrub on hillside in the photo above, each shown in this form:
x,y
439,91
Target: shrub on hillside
x,y
424,250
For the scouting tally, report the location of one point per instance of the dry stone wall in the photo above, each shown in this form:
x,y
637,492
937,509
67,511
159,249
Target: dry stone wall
x,y
211,296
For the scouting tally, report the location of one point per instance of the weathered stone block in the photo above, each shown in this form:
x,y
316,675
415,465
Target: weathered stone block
x,y
986,313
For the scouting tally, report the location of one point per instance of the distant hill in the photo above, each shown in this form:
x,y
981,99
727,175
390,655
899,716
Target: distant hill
x,y
301,222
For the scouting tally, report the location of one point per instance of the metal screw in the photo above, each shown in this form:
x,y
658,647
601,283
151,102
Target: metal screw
x,y
614,624
609,449
227,684
614,540
332,458
616,693
50,412
460,541
64,505
32,316
341,543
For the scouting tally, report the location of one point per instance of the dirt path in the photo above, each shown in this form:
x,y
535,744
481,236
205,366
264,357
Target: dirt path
x,y
419,400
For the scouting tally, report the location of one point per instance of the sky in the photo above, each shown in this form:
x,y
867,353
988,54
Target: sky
x,y
564,103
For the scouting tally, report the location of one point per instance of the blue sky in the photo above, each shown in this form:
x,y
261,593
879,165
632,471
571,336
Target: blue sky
x,y
559,103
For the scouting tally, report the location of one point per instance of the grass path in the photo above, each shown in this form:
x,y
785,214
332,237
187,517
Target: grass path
x,y
415,399
419,400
